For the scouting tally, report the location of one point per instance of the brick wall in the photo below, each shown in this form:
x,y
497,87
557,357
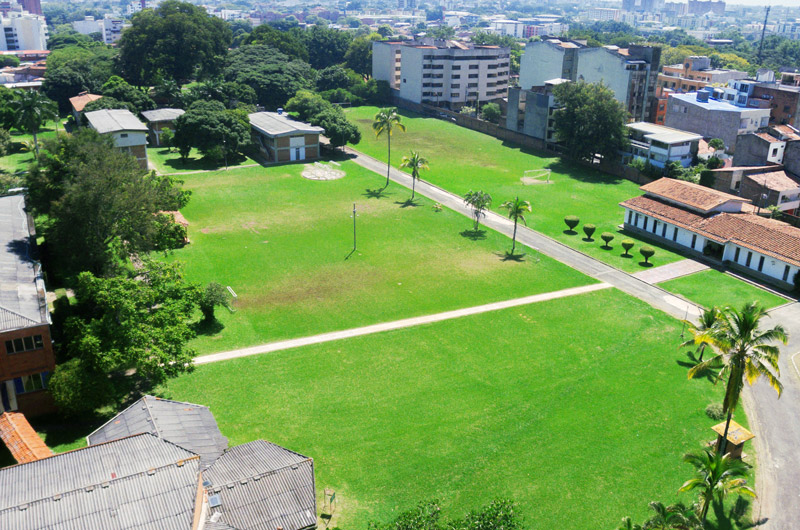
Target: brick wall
x,y
29,362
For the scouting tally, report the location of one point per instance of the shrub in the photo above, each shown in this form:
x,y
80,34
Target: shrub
x,y
714,163
491,112
589,229
5,142
715,411
166,137
607,237
627,244
647,253
572,221
169,234
214,295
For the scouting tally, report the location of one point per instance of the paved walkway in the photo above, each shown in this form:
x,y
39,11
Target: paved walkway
x,y
397,324
777,428
670,271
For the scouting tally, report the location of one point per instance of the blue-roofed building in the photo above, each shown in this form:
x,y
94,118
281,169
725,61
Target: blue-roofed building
x,y
700,113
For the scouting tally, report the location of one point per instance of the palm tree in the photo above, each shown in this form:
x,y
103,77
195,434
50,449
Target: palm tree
x,y
675,516
717,476
479,200
516,211
384,123
416,163
33,111
705,332
746,354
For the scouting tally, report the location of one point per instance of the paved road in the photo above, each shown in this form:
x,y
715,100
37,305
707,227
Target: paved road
x,y
776,424
397,324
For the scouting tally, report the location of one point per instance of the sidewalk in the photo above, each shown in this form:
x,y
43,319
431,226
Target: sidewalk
x,y
671,271
397,324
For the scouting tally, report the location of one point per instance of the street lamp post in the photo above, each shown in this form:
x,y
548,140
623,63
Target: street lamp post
x,y
225,152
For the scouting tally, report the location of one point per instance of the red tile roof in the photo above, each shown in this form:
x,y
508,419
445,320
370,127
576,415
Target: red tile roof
x,y
689,194
787,131
775,180
81,100
20,438
767,236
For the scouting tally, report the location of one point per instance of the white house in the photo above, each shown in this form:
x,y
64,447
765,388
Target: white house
x,y
718,225
130,135
661,145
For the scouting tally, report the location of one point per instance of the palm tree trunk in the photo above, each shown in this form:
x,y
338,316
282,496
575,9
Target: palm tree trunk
x,y
388,158
723,443
36,146
514,238
704,511
413,185
702,351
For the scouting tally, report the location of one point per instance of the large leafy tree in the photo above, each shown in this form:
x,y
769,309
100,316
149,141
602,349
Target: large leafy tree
x,y
416,163
177,40
590,121
358,56
7,115
32,110
338,128
74,69
274,77
229,93
716,477
289,43
121,90
135,326
214,130
746,352
516,210
326,46
101,205
384,124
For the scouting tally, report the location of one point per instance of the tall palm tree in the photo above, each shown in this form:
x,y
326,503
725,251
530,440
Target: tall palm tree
x,y
717,476
384,123
516,211
746,353
705,332
415,163
33,110
673,517
479,201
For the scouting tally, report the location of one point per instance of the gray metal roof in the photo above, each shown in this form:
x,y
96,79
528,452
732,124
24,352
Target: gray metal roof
x,y
190,426
162,114
262,486
135,482
273,124
114,120
22,293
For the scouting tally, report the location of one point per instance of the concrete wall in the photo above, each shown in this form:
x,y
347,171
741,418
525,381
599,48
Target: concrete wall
x,y
599,65
752,150
712,123
385,59
540,62
784,104
791,157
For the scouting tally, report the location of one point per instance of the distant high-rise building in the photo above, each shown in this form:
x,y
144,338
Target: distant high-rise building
x,y
406,4
23,31
643,6
31,6
701,7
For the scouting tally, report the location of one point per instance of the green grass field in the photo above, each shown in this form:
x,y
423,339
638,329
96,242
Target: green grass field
x,y
579,409
19,160
166,161
713,288
282,242
463,160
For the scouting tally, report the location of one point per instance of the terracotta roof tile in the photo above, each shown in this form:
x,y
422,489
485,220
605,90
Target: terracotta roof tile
x,y
775,180
767,236
767,137
81,100
787,131
689,194
20,438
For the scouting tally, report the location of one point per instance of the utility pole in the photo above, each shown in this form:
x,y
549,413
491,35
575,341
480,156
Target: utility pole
x,y
763,31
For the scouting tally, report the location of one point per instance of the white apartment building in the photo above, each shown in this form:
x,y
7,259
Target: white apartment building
x,y
445,73
109,26
137,5
603,14
23,31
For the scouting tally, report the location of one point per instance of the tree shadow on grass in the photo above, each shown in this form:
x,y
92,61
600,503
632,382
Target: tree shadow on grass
x,y
208,327
645,264
606,247
734,517
587,239
377,193
626,256
407,203
474,235
710,374
508,256
570,232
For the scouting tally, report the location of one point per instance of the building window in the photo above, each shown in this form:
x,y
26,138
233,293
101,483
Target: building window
x,y
645,223
774,151
786,273
749,258
664,230
630,216
456,67
655,226
736,255
694,240
30,383
760,263
636,220
23,344
457,76
474,66
675,234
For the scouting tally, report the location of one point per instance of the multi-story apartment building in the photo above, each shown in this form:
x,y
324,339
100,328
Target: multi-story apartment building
x,y
443,73
703,7
643,6
630,73
602,14
23,31
33,7
109,26
26,350
530,111
702,114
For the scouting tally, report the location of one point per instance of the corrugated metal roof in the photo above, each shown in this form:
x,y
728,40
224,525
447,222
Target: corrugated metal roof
x,y
114,120
22,296
135,482
162,114
263,486
274,124
190,426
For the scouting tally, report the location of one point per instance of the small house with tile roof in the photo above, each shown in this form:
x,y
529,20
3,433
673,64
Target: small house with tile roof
x,y
717,225
79,102
26,350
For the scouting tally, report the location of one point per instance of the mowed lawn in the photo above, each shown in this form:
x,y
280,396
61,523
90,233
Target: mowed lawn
x,y
19,160
169,161
462,159
576,408
282,242
713,288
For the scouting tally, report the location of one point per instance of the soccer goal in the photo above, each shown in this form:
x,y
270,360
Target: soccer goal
x,y
536,176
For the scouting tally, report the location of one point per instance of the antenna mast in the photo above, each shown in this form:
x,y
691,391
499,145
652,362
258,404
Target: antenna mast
x,y
763,31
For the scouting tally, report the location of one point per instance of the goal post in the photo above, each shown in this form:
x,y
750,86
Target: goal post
x,y
537,174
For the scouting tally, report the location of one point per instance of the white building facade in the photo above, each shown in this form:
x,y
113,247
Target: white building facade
x,y
110,27
23,31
